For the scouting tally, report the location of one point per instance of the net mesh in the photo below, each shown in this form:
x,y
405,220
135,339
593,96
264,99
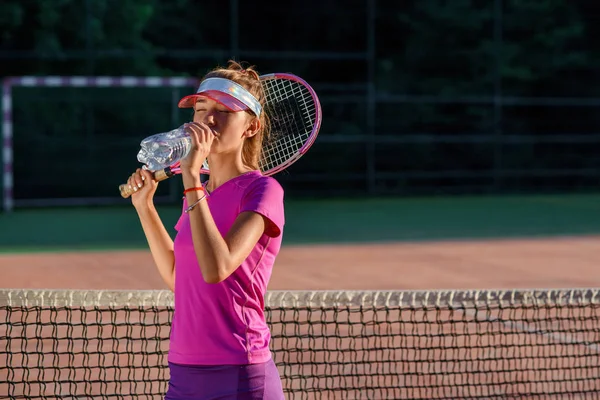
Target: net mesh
x,y
355,345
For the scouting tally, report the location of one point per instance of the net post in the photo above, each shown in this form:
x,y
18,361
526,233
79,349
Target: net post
x,y
7,146
371,97
498,101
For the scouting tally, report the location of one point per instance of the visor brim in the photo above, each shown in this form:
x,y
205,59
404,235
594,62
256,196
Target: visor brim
x,y
230,102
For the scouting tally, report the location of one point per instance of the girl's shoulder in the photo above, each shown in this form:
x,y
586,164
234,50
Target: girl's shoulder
x,y
256,181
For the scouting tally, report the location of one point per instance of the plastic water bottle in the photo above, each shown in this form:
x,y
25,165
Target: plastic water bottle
x,y
164,149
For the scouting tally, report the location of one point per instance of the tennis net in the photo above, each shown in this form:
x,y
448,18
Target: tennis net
x,y
344,345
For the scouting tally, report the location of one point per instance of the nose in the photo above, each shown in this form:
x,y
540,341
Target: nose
x,y
209,119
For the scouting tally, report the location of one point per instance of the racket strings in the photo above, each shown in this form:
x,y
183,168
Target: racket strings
x,y
291,110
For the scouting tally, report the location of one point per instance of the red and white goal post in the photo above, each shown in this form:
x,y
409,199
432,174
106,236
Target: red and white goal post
x,y
10,83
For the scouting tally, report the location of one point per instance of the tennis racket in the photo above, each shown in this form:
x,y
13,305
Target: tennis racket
x,y
294,112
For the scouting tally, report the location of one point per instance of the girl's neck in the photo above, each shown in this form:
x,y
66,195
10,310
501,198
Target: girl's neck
x,y
224,168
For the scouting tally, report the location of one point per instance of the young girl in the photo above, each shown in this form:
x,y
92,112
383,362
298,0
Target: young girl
x,y
228,236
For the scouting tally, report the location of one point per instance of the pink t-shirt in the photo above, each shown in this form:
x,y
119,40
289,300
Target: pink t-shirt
x,y
224,323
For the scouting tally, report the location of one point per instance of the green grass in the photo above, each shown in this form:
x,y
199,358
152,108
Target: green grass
x,y
320,221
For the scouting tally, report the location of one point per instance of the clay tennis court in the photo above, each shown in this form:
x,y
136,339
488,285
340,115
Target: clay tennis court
x,y
511,263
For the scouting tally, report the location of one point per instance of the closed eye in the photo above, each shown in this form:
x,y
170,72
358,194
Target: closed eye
x,y
223,111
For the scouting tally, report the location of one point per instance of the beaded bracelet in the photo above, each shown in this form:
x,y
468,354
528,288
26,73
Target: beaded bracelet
x,y
186,191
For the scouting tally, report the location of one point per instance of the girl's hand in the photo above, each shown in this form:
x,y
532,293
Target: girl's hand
x,y
202,137
144,188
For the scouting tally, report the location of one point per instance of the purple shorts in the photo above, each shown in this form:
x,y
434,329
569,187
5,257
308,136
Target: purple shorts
x,y
225,382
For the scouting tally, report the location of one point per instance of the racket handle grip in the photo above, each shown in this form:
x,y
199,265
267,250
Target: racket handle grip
x,y
158,176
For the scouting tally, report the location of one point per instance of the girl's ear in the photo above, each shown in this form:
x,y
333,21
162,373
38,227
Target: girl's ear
x,y
253,128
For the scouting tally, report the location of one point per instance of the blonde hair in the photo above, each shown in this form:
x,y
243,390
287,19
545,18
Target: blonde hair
x,y
249,79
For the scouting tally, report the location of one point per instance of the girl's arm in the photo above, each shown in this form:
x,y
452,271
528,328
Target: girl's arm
x,y
219,256
159,241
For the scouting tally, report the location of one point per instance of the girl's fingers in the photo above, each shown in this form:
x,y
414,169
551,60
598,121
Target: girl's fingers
x,y
195,139
137,180
201,136
194,128
131,183
140,180
207,134
146,175
203,130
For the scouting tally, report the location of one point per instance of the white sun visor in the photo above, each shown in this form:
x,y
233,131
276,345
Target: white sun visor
x,y
229,93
